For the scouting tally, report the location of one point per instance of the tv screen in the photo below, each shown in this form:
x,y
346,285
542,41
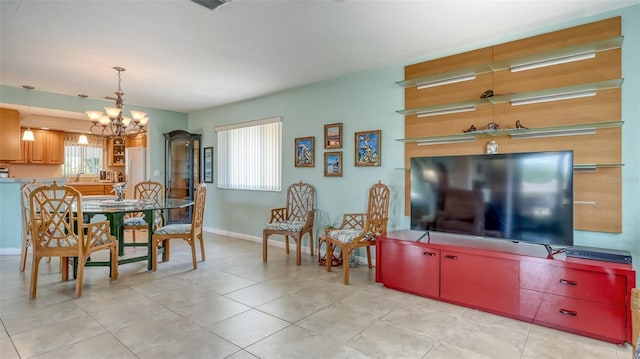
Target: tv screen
x,y
516,196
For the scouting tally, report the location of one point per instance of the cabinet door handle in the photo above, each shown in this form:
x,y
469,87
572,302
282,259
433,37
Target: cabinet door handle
x,y
568,282
451,257
430,254
572,313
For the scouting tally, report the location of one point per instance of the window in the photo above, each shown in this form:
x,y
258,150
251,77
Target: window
x,y
87,159
250,155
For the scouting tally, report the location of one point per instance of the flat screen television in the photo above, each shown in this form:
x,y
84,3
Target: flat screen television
x,y
524,197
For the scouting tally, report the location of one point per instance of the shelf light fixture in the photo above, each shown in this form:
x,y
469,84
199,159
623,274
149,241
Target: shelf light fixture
x,y
447,81
549,98
446,111
443,141
555,61
553,133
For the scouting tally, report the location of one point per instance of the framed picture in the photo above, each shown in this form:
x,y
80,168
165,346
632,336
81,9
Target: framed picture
x,y
367,148
333,135
208,164
305,150
333,164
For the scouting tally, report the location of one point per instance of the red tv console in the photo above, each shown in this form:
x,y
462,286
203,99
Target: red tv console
x,y
517,280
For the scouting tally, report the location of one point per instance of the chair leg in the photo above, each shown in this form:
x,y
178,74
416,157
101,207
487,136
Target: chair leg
x,y
166,254
64,268
154,254
345,263
286,241
311,242
34,277
265,239
23,255
192,244
80,277
114,262
298,241
133,234
329,254
369,256
201,237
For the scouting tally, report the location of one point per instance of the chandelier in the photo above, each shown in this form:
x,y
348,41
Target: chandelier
x,y
113,123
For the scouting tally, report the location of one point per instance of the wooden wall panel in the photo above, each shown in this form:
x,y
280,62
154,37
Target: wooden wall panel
x,y
594,31
603,194
456,92
605,66
602,187
449,63
451,124
604,107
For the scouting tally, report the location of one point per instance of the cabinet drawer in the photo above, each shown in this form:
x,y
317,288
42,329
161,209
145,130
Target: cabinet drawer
x,y
580,284
599,320
412,268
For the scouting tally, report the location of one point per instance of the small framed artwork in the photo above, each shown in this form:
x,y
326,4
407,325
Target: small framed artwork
x,y
208,164
367,148
305,150
333,135
333,164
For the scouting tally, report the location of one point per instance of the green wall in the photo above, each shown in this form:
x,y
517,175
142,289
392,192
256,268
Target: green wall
x,y
367,101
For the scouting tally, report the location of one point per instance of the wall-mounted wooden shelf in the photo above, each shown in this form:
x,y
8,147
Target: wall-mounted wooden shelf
x,y
548,58
525,98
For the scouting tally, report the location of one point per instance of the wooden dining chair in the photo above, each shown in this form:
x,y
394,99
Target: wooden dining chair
x,y
190,232
25,191
293,220
147,190
351,239
57,230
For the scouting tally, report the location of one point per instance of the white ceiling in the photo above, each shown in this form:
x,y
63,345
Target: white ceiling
x,y
181,56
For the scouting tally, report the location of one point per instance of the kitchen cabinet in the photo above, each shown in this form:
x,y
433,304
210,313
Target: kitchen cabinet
x,y
136,141
115,152
47,149
93,188
9,135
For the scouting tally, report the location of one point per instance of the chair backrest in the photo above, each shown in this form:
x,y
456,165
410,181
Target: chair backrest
x,y
26,190
378,209
57,216
149,190
198,209
301,199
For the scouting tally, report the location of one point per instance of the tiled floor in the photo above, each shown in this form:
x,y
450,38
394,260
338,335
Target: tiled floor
x,y
236,306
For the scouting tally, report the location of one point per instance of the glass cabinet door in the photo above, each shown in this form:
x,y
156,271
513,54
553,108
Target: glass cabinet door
x,y
182,161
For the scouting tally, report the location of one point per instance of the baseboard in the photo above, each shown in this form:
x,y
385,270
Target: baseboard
x,y
272,242
9,251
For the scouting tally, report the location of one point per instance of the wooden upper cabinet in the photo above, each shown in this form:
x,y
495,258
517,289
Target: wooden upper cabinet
x,y
9,135
55,148
47,149
136,141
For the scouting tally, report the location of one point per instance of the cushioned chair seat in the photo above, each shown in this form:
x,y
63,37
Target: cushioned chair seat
x,y
347,235
286,226
181,228
139,221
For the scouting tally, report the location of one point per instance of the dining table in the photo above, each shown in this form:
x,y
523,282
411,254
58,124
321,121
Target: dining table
x,y
115,212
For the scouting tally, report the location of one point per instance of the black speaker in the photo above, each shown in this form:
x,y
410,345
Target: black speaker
x,y
599,254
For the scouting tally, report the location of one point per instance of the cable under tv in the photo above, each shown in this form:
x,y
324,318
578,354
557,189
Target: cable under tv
x,y
599,254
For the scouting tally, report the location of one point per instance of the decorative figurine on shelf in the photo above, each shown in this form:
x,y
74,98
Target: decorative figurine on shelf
x,y
488,93
519,125
492,147
492,126
118,189
471,128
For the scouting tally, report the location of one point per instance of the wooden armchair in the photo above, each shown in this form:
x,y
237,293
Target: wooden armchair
x,y
349,221
146,190
57,231
350,239
25,191
190,232
294,220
